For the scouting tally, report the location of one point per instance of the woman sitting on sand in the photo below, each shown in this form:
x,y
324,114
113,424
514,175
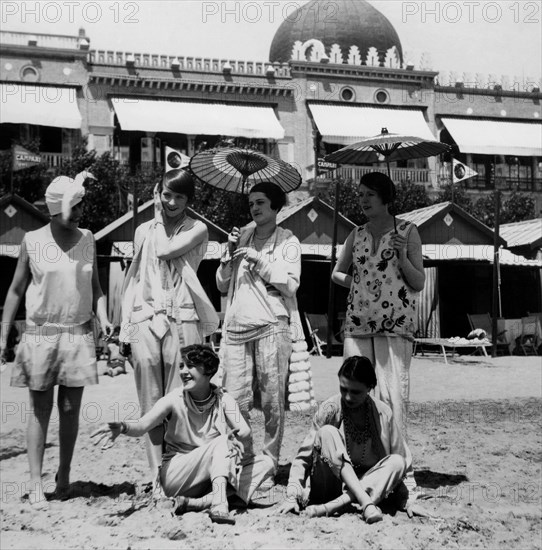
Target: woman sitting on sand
x,y
202,454
355,451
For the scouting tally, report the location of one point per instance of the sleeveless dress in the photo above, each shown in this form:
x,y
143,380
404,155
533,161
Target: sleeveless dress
x,y
58,345
380,302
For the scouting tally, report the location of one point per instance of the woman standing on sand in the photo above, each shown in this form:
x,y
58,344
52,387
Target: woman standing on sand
x,y
164,306
58,346
261,274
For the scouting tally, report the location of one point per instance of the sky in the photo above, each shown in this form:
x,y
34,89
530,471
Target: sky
x,y
501,37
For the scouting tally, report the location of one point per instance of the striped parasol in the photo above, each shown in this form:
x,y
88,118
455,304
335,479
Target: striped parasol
x,y
237,170
387,147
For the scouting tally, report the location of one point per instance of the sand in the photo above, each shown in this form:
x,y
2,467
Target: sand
x,y
475,434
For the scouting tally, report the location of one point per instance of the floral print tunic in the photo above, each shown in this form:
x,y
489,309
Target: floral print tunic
x,y
380,301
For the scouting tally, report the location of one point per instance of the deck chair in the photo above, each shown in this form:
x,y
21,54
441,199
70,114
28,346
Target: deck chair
x,y
484,321
214,339
317,342
527,341
317,326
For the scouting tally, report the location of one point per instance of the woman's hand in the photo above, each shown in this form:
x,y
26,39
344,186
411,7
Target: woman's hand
x,y
233,240
288,505
107,434
3,357
158,206
107,330
399,243
249,254
235,447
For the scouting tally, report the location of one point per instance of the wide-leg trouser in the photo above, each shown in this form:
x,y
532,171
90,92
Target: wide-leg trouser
x,y
191,474
330,455
261,367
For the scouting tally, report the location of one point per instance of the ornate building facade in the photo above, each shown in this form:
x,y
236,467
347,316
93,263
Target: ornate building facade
x,y
326,84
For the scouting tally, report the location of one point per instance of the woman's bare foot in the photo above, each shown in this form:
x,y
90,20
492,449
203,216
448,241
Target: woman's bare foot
x,y
317,511
36,498
62,480
220,513
372,513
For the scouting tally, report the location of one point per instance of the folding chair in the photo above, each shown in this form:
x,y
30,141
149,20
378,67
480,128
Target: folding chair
x,y
317,325
527,341
317,344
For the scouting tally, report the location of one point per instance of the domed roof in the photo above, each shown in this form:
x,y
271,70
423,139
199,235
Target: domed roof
x,y
344,22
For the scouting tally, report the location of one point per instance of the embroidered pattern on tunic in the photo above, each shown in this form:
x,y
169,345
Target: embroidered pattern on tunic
x,y
380,301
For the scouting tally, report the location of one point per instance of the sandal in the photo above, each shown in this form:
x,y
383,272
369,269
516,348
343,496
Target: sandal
x,y
317,511
180,506
223,517
372,515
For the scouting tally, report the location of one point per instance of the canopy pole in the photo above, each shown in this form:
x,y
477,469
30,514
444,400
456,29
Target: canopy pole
x,y
331,300
134,209
452,176
496,298
389,176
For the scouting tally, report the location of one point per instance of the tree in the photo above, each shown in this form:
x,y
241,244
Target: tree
x,y
457,192
410,196
519,207
484,209
105,198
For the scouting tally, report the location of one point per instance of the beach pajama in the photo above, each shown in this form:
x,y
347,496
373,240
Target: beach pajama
x,y
330,455
191,474
257,372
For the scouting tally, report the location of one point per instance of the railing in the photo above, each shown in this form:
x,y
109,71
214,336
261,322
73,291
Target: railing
x,y
398,175
54,160
198,64
506,184
41,40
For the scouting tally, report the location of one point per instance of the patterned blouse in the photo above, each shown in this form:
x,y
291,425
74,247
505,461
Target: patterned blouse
x,y
380,301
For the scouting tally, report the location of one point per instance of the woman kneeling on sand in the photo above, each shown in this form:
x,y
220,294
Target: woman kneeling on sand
x,y
202,457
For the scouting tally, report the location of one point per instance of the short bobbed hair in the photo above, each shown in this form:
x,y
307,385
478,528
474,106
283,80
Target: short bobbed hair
x,y
273,192
179,181
381,184
201,356
360,369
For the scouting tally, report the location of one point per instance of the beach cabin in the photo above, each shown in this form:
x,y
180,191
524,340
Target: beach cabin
x,y
458,256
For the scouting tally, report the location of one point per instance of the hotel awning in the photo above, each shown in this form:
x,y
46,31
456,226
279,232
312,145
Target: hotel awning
x,y
210,118
496,137
346,124
40,105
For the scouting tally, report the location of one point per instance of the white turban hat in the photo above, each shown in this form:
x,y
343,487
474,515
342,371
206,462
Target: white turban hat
x,y
64,193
